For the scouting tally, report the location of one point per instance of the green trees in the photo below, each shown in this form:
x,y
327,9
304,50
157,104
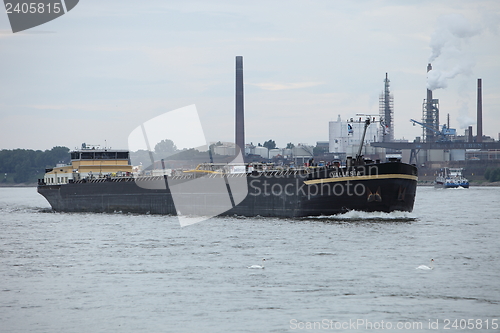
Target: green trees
x,y
165,148
270,144
26,164
492,174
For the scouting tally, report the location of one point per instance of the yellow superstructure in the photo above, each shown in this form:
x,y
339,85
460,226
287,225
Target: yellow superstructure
x,y
90,163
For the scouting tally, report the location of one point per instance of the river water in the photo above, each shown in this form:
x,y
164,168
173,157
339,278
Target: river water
x,y
74,272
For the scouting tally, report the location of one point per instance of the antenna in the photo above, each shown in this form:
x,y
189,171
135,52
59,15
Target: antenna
x,y
359,157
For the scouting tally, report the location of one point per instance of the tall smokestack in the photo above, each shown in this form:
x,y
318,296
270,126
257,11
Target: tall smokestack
x,y
240,116
479,112
471,137
429,119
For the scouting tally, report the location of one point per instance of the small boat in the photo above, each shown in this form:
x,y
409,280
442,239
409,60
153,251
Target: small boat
x,y
451,178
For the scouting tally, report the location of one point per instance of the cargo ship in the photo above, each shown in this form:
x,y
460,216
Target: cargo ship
x,y
451,178
271,191
104,181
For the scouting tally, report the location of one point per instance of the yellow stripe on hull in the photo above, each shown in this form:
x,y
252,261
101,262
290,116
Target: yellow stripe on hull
x,y
371,177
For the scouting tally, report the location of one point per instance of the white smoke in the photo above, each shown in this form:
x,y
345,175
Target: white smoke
x,y
451,32
437,79
447,43
463,119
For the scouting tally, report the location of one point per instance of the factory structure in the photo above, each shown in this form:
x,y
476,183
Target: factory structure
x,y
386,107
430,115
439,146
345,135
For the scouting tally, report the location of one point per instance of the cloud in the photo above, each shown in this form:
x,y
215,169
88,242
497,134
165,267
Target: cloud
x,y
286,86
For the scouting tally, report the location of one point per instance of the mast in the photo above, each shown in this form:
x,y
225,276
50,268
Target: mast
x,y
359,157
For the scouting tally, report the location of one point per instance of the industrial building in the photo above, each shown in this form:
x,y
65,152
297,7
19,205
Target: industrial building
x,y
440,146
345,136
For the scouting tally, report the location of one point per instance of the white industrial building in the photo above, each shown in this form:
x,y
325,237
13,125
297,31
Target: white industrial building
x,y
345,135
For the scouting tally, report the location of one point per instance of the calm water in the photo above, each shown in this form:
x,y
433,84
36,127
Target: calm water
x,y
63,272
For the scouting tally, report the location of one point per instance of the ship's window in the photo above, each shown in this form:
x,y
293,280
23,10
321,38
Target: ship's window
x,y
122,155
87,156
103,156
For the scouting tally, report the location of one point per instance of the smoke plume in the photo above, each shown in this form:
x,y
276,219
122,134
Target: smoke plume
x,y
463,119
447,44
437,79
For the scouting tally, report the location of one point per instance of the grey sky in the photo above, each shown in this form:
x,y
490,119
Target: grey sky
x,y
104,68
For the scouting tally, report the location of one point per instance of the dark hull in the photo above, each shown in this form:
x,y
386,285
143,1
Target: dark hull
x,y
442,185
323,192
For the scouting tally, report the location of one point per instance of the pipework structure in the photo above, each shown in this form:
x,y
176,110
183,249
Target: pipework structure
x,y
430,115
386,109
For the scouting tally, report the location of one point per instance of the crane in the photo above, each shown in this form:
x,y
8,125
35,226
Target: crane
x,y
444,133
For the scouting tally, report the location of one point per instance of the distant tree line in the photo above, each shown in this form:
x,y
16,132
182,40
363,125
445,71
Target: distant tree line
x,y
167,150
26,165
492,174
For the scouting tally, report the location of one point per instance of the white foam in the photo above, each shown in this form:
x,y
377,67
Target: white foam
x,y
360,215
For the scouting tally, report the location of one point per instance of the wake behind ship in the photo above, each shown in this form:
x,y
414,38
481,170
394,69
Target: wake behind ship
x,y
103,181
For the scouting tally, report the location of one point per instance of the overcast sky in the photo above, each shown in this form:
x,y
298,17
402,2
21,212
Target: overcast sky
x,y
98,72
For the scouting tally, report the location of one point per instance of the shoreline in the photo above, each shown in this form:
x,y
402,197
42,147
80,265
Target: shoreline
x,y
425,183
19,185
471,184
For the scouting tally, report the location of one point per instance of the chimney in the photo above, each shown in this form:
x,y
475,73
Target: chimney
x,y
240,116
471,138
479,112
429,117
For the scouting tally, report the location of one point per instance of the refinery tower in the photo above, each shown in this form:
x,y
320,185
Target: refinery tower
x,y
386,107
